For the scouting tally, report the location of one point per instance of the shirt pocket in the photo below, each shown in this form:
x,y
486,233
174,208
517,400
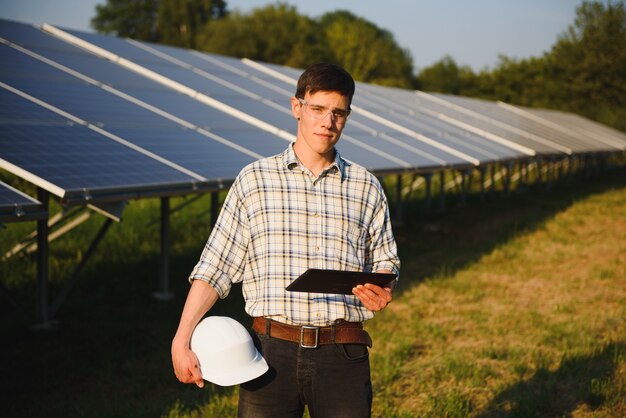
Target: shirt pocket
x,y
349,246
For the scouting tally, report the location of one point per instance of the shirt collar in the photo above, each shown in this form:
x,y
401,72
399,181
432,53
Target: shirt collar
x,y
290,160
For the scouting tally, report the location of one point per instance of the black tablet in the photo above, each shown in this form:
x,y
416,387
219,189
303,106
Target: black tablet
x,y
336,281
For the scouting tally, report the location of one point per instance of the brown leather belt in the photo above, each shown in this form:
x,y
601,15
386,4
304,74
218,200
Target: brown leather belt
x,y
312,337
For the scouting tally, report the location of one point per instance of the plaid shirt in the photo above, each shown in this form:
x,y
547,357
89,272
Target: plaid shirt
x,y
278,220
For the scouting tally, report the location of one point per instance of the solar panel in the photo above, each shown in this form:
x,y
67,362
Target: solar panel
x,y
492,110
73,161
474,121
139,126
605,138
433,127
16,206
139,87
271,104
206,116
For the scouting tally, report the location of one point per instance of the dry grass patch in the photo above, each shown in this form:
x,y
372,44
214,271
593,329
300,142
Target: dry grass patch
x,y
534,328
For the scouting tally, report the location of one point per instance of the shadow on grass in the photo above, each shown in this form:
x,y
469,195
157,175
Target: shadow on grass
x,y
110,355
578,381
438,244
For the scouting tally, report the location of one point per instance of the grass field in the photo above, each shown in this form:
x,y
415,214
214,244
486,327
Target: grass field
x,y
515,307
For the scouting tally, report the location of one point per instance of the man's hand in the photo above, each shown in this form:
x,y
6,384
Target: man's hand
x,y
200,299
373,297
186,366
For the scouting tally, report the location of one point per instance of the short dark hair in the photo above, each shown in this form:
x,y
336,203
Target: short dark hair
x,y
324,76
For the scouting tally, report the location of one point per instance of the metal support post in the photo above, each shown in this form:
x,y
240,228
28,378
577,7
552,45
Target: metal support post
x,y
492,174
398,211
442,190
428,177
507,178
163,291
42,317
482,183
215,201
465,180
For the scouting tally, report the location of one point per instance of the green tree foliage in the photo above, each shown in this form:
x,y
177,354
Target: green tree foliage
x,y
276,33
127,18
172,22
368,52
584,72
179,21
590,61
446,76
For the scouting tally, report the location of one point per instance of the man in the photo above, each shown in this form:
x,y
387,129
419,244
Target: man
x,y
304,208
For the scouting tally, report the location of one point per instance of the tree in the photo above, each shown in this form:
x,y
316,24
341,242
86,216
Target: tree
x,y
590,59
172,22
179,21
368,52
445,76
584,72
127,18
275,33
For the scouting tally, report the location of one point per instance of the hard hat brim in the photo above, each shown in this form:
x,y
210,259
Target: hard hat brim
x,y
257,367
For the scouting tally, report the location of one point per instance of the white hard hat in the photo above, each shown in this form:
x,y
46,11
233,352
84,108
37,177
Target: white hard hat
x,y
225,351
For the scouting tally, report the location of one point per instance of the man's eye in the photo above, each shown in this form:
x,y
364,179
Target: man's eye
x,y
318,109
340,113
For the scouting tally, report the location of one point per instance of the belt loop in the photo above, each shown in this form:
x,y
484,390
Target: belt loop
x,y
268,326
332,332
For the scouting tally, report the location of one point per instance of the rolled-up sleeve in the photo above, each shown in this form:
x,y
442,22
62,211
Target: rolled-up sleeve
x,y
383,248
223,259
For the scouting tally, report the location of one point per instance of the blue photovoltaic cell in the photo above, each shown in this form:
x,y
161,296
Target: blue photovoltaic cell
x,y
433,128
574,142
421,104
367,155
186,148
585,128
73,157
155,94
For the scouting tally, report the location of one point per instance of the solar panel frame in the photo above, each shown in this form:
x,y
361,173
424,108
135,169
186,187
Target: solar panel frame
x,y
16,206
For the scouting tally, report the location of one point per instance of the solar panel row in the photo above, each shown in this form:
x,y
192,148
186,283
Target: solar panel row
x,y
90,117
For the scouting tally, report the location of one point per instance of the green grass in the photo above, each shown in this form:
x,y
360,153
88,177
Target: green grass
x,y
511,308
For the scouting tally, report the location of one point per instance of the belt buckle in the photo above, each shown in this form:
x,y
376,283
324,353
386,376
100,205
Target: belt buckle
x,y
317,336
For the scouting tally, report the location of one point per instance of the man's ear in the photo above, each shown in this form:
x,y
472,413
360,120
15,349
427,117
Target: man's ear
x,y
296,107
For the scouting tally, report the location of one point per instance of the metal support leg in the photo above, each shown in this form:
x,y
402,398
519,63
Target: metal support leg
x,y
539,178
214,207
428,177
465,179
492,174
163,292
42,317
507,178
398,211
442,191
482,183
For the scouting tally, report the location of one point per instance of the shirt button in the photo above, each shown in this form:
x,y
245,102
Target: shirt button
x,y
317,249
318,315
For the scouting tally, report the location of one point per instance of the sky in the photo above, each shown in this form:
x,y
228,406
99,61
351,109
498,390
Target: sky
x,y
473,33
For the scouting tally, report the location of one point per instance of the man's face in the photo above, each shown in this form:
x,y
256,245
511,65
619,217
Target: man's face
x,y
319,129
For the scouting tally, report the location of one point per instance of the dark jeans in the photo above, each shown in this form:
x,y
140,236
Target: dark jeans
x,y
333,380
